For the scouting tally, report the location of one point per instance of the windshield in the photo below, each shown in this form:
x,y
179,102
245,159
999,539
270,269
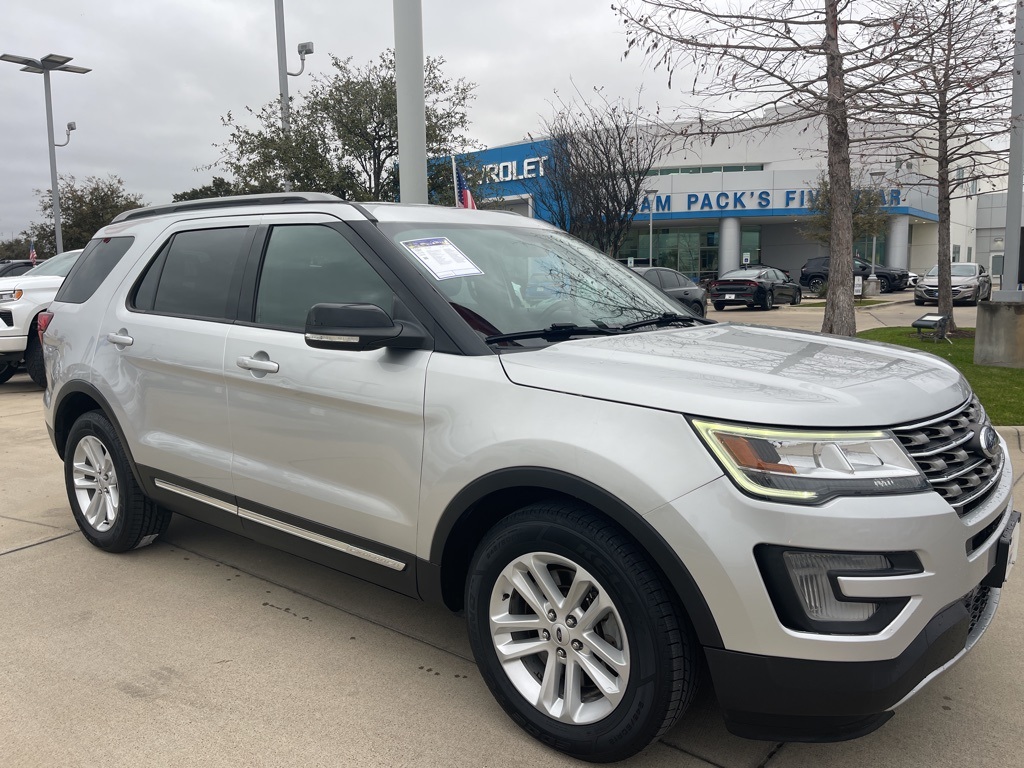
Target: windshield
x,y
509,279
955,270
58,265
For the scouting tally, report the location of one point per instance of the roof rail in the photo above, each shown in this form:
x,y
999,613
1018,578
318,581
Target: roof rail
x,y
235,201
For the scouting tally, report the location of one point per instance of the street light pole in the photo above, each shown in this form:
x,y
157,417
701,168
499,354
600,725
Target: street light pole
x,y
651,195
43,67
283,73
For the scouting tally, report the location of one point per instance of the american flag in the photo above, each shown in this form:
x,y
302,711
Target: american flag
x,y
32,251
463,197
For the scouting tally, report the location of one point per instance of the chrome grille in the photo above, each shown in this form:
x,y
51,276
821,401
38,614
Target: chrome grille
x,y
941,447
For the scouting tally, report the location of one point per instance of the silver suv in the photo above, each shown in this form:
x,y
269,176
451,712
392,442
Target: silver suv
x,y
474,408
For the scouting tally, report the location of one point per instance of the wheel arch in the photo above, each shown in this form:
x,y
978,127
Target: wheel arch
x,y
75,399
492,497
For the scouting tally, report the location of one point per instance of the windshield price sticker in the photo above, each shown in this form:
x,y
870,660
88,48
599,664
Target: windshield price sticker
x,y
442,258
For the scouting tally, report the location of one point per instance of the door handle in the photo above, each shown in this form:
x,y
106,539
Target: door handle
x,y
121,339
253,364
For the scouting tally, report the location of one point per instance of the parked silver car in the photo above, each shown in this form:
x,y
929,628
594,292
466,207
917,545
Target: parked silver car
x,y
474,408
969,283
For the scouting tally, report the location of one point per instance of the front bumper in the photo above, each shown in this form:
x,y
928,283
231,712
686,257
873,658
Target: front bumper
x,y
931,293
776,682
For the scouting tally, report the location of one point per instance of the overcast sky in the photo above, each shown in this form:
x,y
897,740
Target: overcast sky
x,y
165,71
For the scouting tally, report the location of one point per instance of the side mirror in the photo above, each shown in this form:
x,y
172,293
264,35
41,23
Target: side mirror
x,y
359,327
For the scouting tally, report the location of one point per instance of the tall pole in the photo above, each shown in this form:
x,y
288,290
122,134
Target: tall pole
x,y
652,196
282,77
1015,173
412,111
58,236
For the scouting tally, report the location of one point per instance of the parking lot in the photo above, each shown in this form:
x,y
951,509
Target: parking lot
x,y
208,649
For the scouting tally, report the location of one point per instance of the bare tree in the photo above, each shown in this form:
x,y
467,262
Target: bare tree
x,y
952,103
767,63
869,216
599,154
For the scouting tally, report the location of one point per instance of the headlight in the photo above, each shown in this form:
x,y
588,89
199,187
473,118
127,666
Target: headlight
x,y
805,467
12,295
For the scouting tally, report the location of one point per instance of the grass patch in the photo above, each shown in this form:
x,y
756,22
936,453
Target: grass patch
x,y
999,389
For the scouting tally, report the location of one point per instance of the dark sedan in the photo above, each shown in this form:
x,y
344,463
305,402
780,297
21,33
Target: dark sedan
x,y
15,267
677,285
750,287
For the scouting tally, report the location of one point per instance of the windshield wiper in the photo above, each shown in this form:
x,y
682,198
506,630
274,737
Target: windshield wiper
x,y
555,332
666,318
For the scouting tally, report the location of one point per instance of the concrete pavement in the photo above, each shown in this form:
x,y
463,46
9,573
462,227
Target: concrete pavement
x,y
208,649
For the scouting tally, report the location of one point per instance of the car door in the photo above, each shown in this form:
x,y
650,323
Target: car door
x,y
326,443
159,355
784,289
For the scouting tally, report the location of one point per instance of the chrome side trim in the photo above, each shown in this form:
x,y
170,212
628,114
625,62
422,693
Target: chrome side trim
x,y
316,538
195,496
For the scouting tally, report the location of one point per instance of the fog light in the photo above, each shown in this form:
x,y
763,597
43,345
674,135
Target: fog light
x,y
810,574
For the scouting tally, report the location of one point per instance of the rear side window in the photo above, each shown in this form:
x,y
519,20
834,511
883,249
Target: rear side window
x,y
195,274
92,268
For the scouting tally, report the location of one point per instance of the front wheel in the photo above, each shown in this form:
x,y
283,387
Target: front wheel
x,y
109,506
884,286
6,371
697,308
576,635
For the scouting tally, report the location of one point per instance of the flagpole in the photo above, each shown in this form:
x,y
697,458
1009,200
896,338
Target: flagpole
x,y
455,182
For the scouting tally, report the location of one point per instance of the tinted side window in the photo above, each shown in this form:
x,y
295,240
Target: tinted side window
x,y
92,268
196,274
651,276
307,264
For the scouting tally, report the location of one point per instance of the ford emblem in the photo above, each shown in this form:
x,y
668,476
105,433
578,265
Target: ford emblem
x,y
985,441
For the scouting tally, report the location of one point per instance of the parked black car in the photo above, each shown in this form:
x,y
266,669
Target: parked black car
x,y
814,274
759,286
677,285
14,267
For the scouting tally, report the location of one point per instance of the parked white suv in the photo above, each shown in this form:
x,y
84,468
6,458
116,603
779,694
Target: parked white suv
x,y
22,298
616,494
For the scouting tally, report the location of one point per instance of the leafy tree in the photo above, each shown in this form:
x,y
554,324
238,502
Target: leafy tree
x,y
344,132
598,156
767,63
16,248
219,187
84,208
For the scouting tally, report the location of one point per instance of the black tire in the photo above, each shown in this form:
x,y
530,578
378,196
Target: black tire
x,y
768,302
797,297
719,306
34,357
123,517
884,284
918,302
643,626
6,371
816,283
697,309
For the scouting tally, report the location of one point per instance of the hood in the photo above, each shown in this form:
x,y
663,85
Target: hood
x,y
749,373
29,282
933,282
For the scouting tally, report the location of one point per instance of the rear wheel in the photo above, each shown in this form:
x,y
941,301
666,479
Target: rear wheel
x,y
816,284
576,635
768,301
798,297
109,506
719,306
6,371
697,309
34,357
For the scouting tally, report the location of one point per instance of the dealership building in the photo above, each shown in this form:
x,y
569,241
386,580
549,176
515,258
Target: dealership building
x,y
744,200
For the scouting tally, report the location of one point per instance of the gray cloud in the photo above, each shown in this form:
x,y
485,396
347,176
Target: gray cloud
x,y
165,71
